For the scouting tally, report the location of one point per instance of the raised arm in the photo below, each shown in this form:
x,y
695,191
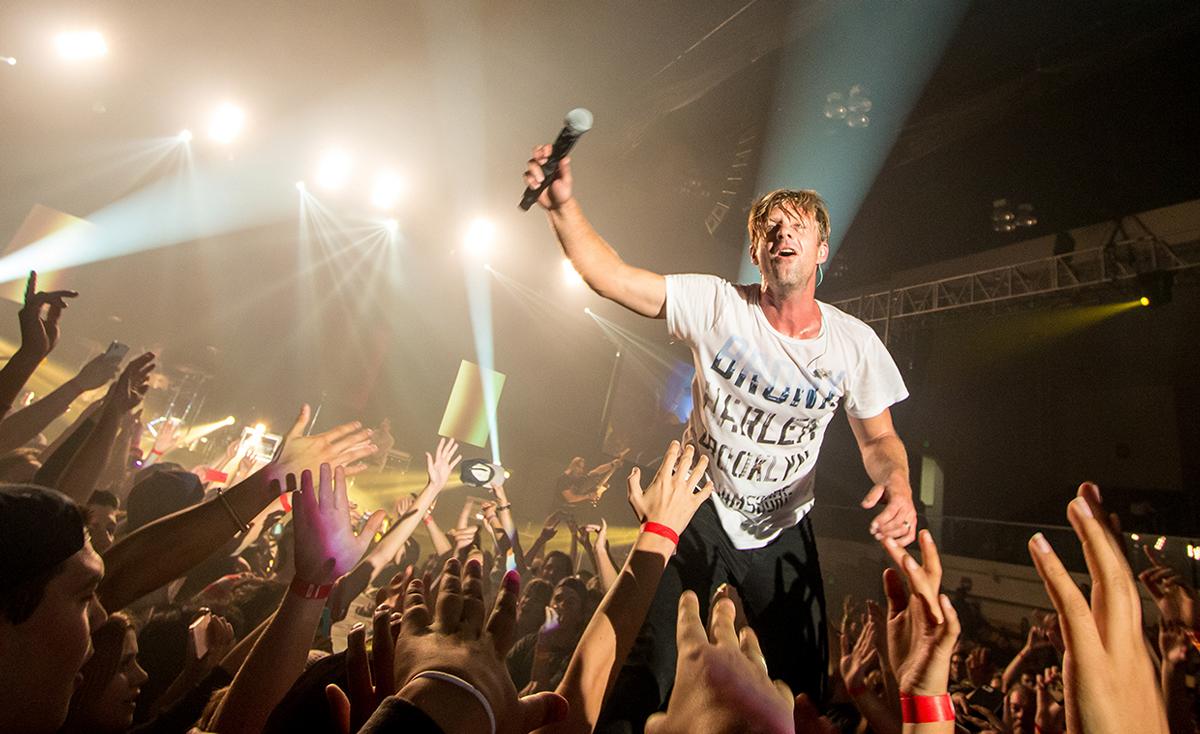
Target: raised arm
x,y
39,334
641,291
80,477
886,462
669,501
325,548
439,464
169,547
19,428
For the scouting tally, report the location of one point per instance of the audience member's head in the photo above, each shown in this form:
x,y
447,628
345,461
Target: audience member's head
x,y
556,567
102,508
1020,708
531,609
48,605
569,601
20,465
112,680
159,494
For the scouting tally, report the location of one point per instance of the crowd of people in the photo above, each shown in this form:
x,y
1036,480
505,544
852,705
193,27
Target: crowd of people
x,y
144,596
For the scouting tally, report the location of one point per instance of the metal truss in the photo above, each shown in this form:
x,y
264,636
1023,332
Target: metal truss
x,y
1111,263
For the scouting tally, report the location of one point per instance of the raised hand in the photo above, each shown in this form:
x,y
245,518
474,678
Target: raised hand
x,y
550,526
672,497
341,446
558,192
1049,717
453,638
325,544
727,688
898,518
368,676
1175,599
859,657
404,504
218,638
127,392
464,537
1108,678
442,461
97,372
39,333
922,625
979,666
925,579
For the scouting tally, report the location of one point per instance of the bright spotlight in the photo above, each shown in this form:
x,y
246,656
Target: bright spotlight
x,y
333,170
80,45
301,187
387,190
11,61
479,236
570,274
1144,301
587,311
391,225
226,123
185,136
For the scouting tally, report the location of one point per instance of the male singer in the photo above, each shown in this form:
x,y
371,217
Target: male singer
x,y
772,365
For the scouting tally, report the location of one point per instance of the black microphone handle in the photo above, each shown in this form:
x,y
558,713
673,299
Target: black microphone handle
x,y
562,145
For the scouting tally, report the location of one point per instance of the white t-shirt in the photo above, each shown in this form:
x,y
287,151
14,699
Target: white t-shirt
x,y
762,400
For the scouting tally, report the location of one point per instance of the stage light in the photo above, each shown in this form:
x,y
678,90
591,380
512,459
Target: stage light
x,y
226,123
1135,537
391,225
1160,543
185,136
301,187
587,311
387,190
570,274
479,236
80,45
11,61
333,170
1144,301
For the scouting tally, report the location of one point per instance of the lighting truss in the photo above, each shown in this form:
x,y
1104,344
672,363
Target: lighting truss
x,y
1119,261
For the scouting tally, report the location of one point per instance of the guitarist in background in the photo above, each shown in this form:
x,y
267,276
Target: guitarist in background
x,y
577,486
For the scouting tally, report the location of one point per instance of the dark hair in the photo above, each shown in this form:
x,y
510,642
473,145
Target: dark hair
x,y
160,494
557,554
104,498
22,459
304,706
40,529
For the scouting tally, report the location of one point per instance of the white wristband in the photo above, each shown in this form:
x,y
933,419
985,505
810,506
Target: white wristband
x,y
455,680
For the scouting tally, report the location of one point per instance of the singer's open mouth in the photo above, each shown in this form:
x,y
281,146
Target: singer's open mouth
x,y
785,252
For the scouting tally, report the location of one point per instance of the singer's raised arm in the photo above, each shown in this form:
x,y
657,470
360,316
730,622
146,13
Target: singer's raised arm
x,y
638,290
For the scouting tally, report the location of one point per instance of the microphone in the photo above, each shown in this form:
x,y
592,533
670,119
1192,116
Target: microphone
x,y
577,122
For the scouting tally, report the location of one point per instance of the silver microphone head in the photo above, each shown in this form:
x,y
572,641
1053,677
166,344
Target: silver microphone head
x,y
578,120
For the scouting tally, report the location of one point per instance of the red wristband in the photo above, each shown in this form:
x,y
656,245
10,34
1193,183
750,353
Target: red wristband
x,y
156,453
926,709
285,501
305,590
660,529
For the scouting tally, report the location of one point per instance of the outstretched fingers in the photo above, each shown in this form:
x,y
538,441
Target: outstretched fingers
x,y
502,625
1078,628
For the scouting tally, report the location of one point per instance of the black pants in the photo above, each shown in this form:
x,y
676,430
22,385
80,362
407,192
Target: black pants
x,y
780,586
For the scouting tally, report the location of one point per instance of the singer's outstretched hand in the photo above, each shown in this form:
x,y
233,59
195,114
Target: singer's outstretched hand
x,y
559,191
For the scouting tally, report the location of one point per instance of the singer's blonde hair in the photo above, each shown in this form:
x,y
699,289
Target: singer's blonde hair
x,y
797,201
